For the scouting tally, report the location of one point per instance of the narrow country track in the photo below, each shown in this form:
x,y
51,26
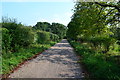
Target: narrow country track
x,y
59,61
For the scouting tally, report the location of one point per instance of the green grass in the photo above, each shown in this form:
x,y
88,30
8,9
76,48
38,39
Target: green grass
x,y
97,64
11,60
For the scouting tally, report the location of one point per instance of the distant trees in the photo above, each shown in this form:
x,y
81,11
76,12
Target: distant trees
x,y
55,28
58,29
44,26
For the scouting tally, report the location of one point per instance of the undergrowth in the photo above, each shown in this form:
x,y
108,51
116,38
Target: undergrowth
x,y
97,64
11,60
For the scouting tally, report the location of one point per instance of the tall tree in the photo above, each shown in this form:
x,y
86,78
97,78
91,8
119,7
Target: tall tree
x,y
91,23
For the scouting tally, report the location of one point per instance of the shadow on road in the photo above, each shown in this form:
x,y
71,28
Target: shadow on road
x,y
62,53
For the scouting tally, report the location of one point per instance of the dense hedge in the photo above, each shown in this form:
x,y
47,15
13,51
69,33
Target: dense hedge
x,y
6,40
21,36
13,39
43,37
54,37
16,35
24,36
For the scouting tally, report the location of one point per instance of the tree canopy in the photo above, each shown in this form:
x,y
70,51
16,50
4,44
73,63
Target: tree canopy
x,y
93,21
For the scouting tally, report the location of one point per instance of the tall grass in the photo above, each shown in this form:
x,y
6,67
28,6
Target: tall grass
x,y
97,64
11,60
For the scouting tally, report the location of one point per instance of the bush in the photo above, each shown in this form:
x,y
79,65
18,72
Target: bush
x,y
96,63
6,39
24,36
20,35
9,61
54,37
105,42
43,37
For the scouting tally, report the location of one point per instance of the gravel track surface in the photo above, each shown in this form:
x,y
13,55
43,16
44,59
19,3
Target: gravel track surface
x,y
58,61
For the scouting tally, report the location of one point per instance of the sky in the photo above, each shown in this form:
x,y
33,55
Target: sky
x,y
29,13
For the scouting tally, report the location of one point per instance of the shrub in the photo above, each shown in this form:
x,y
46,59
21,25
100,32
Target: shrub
x,y
6,40
54,37
96,63
99,68
24,36
43,37
105,42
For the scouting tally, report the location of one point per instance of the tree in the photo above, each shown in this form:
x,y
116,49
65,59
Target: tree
x,y
58,29
55,28
42,26
114,11
91,23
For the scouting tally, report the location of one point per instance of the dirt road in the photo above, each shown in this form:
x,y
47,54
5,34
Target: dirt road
x,y
59,61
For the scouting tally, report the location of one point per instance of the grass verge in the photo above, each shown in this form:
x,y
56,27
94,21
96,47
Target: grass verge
x,y
97,64
11,60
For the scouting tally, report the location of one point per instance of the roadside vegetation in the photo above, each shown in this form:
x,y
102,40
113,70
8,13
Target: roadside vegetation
x,y
96,37
20,42
94,32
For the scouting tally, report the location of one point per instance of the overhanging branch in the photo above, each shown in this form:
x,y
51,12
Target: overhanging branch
x,y
107,5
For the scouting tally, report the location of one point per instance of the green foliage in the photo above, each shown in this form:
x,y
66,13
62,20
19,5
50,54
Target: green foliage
x,y
58,29
117,34
55,28
11,60
24,36
43,26
86,22
16,35
11,25
96,63
20,43
43,37
89,24
102,43
54,37
92,31
6,40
